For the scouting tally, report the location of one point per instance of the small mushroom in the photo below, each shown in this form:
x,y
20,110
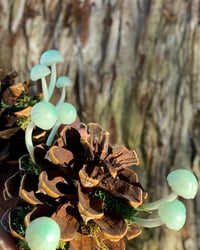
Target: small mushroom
x,y
172,214
182,182
51,58
66,115
48,236
44,116
63,82
40,71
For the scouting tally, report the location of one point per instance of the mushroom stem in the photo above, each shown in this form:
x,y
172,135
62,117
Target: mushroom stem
x,y
149,223
52,134
171,214
155,205
62,97
28,138
52,80
44,89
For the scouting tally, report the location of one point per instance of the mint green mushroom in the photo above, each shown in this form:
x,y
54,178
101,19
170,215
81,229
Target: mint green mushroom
x,y
28,138
182,182
63,82
172,214
66,115
51,58
40,71
43,115
43,233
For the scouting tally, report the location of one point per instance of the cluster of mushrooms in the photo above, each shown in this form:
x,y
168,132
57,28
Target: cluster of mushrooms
x,y
74,190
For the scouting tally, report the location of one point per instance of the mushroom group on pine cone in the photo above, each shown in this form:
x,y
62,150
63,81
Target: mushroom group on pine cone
x,y
84,184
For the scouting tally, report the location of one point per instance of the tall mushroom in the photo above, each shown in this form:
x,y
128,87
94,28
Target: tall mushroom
x,y
39,71
63,82
51,58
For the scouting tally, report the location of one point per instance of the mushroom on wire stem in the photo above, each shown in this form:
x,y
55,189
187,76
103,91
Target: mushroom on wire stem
x,y
172,214
182,182
66,115
44,116
51,58
40,71
63,82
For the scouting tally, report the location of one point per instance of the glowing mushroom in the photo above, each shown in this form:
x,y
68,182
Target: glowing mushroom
x,y
43,115
66,115
43,233
63,82
40,71
182,182
172,214
51,58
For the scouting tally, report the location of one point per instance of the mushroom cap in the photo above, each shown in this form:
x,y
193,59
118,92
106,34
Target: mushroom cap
x,y
66,113
173,214
48,236
50,57
44,115
63,81
39,71
183,183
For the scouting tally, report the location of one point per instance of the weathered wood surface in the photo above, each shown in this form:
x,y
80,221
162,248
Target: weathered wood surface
x,y
135,67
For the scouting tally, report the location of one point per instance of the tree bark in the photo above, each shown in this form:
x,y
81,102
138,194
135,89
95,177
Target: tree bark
x,y
135,68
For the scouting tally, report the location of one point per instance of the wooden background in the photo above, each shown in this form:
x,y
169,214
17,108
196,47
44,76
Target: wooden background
x,y
135,69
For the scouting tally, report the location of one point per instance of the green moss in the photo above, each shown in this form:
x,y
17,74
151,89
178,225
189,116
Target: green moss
x,y
63,245
30,167
22,245
93,230
23,122
23,102
18,221
120,205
